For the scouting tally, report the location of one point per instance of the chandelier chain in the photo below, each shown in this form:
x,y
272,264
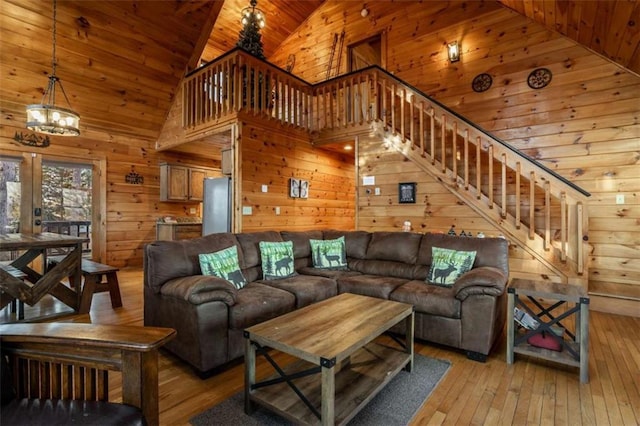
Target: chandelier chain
x,y
53,56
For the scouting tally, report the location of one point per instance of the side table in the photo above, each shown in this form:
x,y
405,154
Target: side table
x,y
575,344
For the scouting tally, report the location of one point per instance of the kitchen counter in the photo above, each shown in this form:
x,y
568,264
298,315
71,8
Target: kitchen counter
x,y
178,230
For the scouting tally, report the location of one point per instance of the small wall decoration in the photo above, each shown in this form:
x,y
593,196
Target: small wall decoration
x,y
134,178
407,193
294,188
482,82
539,78
32,140
304,189
298,188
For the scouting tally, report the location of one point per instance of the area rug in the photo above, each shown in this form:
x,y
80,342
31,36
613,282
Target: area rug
x,y
396,404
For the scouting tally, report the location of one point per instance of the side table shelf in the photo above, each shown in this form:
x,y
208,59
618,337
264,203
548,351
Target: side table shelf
x,y
575,344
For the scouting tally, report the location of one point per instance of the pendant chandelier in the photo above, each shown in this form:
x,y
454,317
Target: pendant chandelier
x,y
252,13
46,117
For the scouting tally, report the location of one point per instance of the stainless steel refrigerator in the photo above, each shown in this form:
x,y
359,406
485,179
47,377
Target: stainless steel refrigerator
x,y
216,205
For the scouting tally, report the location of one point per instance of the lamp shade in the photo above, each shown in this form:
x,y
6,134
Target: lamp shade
x,y
52,120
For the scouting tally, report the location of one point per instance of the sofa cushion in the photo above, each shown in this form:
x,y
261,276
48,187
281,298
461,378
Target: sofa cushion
x,y
369,285
489,251
300,239
396,246
428,299
329,254
356,242
223,264
447,265
386,268
307,289
249,245
199,289
277,259
327,273
165,260
257,302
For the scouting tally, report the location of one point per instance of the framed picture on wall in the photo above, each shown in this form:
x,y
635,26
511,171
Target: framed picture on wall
x,y
294,188
407,193
304,188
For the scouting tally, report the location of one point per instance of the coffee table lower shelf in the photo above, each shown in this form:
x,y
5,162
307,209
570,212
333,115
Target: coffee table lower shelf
x,y
358,380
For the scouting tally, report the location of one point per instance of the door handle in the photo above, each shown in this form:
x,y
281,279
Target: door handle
x,y
38,222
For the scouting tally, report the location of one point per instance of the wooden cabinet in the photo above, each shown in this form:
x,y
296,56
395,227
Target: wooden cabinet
x,y
182,183
178,231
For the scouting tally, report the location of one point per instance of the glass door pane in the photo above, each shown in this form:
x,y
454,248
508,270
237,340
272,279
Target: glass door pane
x,y
9,195
66,199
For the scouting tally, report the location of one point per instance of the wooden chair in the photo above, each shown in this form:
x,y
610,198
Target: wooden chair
x,y
64,363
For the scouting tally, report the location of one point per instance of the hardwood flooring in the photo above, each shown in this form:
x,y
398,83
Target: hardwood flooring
x,y
530,392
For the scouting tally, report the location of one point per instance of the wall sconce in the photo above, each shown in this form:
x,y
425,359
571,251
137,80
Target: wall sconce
x,y
454,51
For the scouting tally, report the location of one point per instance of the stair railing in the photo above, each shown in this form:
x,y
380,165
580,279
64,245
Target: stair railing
x,y
546,213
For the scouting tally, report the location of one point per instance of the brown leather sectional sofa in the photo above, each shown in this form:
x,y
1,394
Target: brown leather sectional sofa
x,y
210,314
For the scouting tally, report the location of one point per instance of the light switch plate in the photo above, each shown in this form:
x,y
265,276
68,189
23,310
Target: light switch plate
x,y
620,199
247,211
265,188
277,210
377,191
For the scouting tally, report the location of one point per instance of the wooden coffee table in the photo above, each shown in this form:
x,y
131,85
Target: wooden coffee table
x,y
339,369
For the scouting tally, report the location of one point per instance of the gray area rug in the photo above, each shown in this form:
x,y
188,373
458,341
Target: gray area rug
x,y
396,404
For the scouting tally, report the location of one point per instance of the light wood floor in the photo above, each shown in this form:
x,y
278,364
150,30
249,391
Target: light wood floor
x,y
528,392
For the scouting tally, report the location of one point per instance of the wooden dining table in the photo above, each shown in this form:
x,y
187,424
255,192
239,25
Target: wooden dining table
x,y
36,285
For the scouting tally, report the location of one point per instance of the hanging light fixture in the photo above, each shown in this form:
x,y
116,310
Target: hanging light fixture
x,y
253,13
46,117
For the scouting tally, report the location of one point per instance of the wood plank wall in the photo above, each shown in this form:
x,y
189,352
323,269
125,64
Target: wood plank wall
x,y
271,155
131,210
436,208
584,125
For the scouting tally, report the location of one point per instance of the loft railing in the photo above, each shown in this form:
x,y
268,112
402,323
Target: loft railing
x,y
543,211
239,82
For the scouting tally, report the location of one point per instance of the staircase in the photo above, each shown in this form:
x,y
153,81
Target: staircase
x,y
534,207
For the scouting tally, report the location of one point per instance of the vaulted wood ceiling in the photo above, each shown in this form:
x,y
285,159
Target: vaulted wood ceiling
x,y
121,61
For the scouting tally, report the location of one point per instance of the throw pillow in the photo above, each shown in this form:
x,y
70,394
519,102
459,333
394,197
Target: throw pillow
x,y
329,254
448,265
277,259
223,264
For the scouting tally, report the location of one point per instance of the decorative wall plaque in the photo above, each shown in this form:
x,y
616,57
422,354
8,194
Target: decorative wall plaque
x,y
481,82
539,78
134,178
407,193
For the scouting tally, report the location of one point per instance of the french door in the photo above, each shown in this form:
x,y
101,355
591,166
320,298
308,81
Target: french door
x,y
62,195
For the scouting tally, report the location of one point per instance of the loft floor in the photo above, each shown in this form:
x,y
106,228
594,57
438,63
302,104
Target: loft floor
x,y
528,392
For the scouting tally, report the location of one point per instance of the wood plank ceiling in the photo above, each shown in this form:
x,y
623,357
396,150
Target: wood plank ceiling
x,y
120,61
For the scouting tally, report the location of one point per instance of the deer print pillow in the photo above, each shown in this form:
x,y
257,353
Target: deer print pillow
x,y
277,259
223,264
329,254
448,265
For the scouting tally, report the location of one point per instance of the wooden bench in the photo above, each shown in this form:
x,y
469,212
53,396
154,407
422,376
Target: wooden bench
x,y
93,273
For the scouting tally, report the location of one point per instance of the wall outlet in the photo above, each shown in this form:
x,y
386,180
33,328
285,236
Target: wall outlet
x,y
192,210
277,209
377,191
247,211
620,199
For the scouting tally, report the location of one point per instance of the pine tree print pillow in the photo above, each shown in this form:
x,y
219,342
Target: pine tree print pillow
x,y
277,259
223,264
448,265
329,254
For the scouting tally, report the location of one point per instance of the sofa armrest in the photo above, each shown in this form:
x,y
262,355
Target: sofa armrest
x,y
198,289
482,280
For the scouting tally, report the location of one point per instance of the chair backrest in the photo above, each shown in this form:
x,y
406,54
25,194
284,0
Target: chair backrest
x,y
71,361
